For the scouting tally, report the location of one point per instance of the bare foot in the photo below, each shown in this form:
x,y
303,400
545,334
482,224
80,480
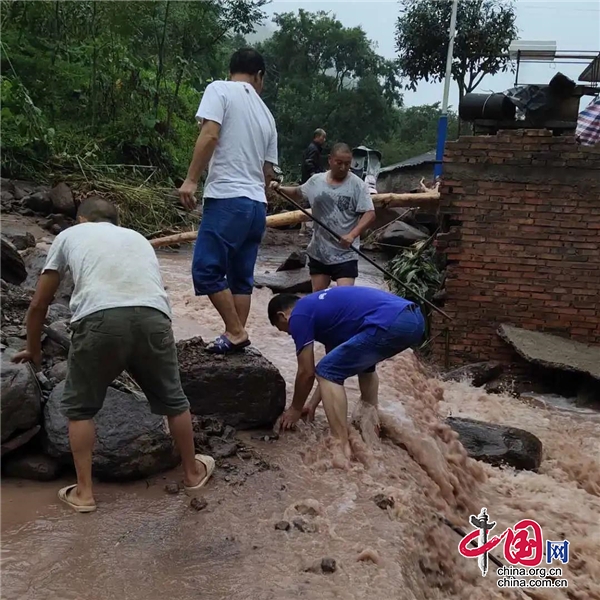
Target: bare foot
x,y
342,455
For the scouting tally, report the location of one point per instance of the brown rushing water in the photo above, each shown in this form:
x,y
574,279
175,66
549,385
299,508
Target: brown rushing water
x,y
143,544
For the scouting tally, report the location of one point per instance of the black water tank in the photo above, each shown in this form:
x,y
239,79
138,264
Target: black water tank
x,y
496,107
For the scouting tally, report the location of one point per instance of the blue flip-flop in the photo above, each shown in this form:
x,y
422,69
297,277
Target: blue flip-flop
x,y
223,345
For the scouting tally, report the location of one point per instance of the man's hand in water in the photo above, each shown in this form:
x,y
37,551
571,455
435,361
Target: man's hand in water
x,y
347,240
187,193
27,356
290,417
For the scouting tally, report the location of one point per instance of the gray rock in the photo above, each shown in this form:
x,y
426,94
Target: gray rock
x,y
57,312
20,239
38,202
16,343
62,200
21,397
282,526
199,504
304,526
243,389
328,565
292,282
401,234
56,344
477,374
383,501
553,352
296,260
498,445
6,199
12,266
22,189
35,260
56,223
222,449
59,371
34,466
131,442
14,301
19,440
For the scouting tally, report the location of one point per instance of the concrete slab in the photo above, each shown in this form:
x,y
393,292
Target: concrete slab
x,y
552,351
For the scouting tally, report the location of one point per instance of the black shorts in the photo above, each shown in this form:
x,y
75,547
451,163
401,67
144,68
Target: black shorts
x,y
345,270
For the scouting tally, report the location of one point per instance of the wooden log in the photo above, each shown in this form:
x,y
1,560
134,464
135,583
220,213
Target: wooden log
x,y
424,200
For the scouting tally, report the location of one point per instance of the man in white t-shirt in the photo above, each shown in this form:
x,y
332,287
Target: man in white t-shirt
x,y
238,145
121,321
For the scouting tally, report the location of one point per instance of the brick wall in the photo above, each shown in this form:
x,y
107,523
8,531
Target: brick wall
x,y
521,219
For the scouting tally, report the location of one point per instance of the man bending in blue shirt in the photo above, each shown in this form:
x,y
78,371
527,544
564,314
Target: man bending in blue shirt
x,y
359,328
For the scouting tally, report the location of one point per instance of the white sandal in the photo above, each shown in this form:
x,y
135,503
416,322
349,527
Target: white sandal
x,y
209,463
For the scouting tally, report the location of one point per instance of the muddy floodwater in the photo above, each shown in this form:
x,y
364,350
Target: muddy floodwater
x,y
143,544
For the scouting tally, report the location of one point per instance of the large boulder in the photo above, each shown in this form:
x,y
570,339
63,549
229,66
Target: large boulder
x,y
62,200
477,374
401,234
292,282
498,445
12,267
35,260
243,389
21,397
131,442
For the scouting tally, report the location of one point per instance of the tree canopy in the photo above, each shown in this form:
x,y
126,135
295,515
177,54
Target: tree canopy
x,y
484,31
112,81
115,85
322,74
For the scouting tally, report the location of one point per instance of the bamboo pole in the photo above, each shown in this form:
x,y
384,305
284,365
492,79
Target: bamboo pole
x,y
421,199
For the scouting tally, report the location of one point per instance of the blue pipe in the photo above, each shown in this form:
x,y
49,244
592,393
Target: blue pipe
x,y
441,143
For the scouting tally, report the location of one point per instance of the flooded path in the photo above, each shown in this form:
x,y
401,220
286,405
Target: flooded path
x,y
144,544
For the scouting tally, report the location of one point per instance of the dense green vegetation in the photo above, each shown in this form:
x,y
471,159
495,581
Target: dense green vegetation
x,y
94,89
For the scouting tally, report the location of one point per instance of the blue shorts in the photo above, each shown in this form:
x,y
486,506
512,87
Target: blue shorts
x,y
363,351
230,234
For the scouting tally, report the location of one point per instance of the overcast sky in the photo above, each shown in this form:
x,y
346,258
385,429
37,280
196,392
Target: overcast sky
x,y
572,25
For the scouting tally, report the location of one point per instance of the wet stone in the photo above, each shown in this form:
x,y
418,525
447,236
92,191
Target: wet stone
x,y
222,449
325,565
384,502
199,504
328,565
172,488
304,526
282,526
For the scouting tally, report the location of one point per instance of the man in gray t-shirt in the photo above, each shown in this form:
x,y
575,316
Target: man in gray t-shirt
x,y
342,201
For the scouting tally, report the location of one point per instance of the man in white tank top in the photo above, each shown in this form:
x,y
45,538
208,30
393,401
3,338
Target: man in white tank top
x,y
238,145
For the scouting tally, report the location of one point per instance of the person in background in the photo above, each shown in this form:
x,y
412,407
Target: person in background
x,y
121,321
238,145
311,159
359,327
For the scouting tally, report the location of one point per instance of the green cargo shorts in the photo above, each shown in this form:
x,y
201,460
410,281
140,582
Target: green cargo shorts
x,y
105,343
